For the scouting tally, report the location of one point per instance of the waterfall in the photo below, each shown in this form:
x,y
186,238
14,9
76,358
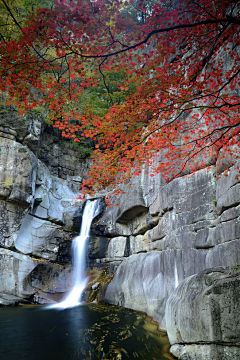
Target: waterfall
x,y
176,275
92,209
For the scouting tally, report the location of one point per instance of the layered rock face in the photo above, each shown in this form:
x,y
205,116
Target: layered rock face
x,y
37,211
164,233
205,309
159,235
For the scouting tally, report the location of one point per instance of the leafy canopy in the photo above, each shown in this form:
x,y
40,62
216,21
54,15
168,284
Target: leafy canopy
x,y
174,67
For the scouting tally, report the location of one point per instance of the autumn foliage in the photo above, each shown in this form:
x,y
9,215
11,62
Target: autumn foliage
x,y
183,57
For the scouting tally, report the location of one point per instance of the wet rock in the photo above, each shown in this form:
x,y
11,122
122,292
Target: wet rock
x,y
51,278
15,269
98,247
77,220
20,277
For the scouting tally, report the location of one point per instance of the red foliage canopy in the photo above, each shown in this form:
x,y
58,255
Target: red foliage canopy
x,y
184,58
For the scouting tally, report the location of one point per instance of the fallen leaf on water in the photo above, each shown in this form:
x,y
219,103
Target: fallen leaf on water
x,y
52,329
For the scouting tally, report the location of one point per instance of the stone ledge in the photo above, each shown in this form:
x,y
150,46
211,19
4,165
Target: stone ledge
x,y
202,315
205,352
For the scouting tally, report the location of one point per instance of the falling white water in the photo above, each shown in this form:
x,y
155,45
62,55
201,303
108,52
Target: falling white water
x,y
176,275
91,210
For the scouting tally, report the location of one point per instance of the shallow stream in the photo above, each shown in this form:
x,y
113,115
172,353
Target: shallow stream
x,y
86,332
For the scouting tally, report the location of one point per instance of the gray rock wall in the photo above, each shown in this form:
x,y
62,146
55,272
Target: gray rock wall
x,y
37,211
204,309
158,235
184,227
63,159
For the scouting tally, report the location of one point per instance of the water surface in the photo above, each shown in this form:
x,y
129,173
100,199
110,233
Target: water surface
x,y
88,331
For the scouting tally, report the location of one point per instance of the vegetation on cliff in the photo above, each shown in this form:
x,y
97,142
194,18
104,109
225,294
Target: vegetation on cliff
x,y
174,66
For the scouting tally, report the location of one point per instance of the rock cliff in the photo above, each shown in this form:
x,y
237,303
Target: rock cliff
x,y
173,231
159,235
39,176
203,316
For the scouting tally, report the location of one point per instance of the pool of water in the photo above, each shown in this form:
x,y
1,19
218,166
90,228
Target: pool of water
x,y
88,331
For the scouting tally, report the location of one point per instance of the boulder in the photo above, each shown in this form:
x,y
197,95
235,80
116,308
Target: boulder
x,y
202,316
15,268
51,278
21,277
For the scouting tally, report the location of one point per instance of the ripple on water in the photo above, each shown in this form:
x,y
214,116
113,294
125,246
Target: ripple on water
x,y
85,332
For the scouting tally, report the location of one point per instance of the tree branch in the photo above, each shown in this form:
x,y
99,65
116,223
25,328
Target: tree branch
x,y
228,19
